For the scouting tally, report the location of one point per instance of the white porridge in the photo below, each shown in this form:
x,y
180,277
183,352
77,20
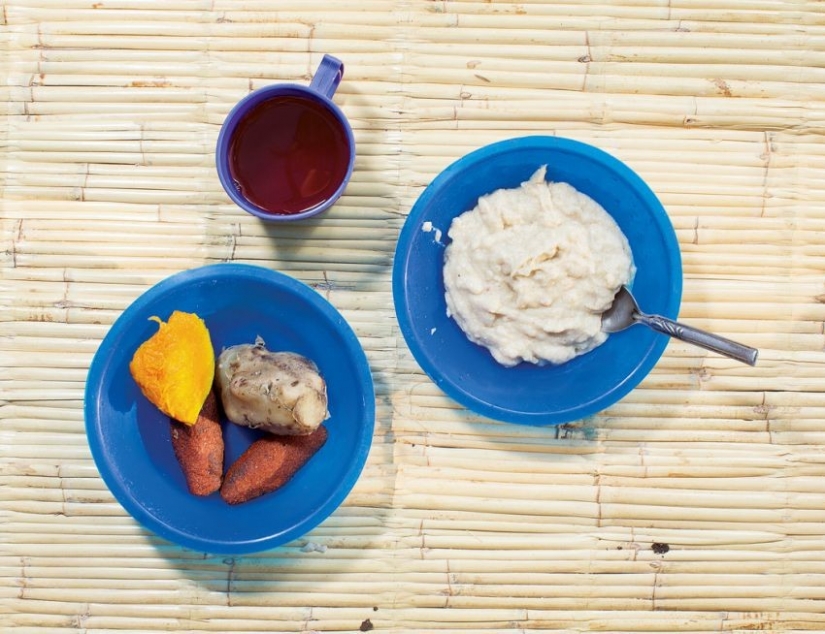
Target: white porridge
x,y
530,271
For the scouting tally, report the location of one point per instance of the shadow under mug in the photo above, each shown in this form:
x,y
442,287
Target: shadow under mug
x,y
291,141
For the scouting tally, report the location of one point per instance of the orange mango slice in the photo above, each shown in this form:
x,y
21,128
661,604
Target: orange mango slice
x,y
175,367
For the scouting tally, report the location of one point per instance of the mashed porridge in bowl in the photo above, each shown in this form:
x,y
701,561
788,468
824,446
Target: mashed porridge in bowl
x,y
533,297
529,271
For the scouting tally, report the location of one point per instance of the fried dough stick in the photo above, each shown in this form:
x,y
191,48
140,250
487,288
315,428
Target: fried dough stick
x,y
199,449
268,464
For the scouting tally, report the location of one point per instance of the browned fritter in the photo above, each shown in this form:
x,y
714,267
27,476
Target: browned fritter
x,y
268,464
199,449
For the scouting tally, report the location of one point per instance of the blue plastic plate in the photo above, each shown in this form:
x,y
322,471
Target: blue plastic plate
x,y
530,394
130,439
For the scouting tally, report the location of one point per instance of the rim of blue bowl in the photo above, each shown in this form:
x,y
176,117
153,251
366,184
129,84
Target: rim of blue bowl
x,y
413,223
144,516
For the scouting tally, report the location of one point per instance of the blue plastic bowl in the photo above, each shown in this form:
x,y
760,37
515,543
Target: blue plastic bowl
x,y
530,394
130,439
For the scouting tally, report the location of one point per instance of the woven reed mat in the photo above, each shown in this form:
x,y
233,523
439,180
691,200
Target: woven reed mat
x,y
697,504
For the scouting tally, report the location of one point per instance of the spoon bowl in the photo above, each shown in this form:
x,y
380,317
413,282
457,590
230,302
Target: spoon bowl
x,y
625,312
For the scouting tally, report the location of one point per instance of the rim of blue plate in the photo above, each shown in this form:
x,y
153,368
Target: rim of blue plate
x,y
106,356
408,248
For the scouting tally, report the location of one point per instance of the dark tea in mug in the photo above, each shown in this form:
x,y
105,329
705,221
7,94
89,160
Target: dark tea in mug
x,y
286,152
289,154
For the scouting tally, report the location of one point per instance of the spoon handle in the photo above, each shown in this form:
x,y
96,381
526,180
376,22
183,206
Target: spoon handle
x,y
700,338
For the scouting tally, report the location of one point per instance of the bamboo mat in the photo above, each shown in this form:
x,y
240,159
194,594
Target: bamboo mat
x,y
697,504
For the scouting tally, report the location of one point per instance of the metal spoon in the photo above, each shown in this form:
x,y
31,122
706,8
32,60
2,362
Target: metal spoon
x,y
624,312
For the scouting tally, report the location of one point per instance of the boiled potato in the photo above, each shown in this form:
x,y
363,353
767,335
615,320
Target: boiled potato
x,y
279,392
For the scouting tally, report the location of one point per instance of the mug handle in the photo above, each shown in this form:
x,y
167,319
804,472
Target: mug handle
x,y
328,76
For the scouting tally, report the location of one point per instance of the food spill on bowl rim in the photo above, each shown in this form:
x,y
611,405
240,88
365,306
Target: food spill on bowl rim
x,y
427,227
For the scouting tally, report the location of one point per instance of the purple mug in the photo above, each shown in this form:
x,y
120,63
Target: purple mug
x,y
285,152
